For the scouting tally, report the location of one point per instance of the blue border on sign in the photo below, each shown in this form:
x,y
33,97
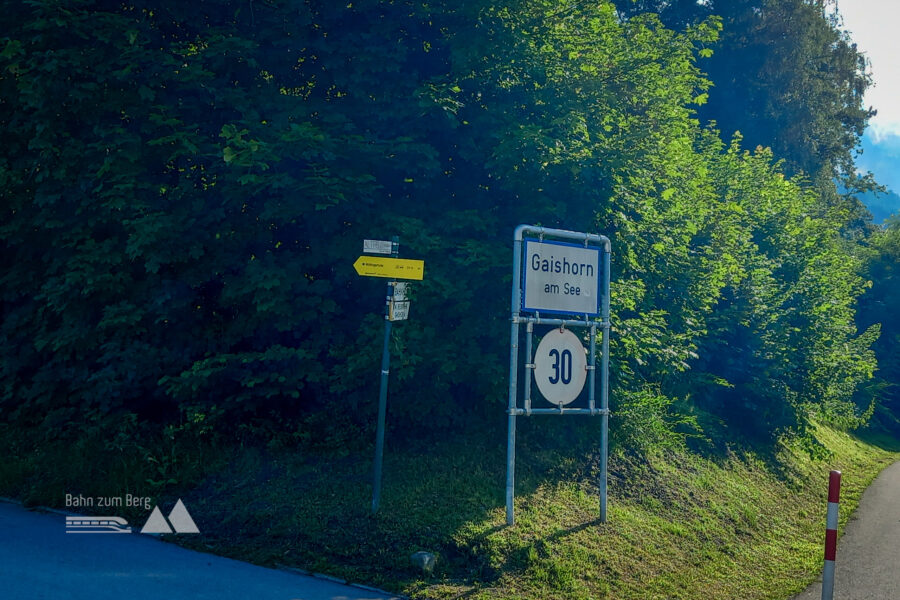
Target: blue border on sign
x,y
525,277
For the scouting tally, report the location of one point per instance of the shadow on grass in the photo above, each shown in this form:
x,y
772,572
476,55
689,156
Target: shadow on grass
x,y
879,438
446,497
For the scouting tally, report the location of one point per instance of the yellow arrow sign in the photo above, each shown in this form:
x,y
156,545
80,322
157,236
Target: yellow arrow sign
x,y
394,268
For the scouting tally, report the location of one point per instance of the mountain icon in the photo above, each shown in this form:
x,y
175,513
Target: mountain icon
x,y
179,520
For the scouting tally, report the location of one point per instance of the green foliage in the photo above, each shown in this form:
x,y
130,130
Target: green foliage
x,y
155,254
184,195
648,422
782,333
786,76
879,305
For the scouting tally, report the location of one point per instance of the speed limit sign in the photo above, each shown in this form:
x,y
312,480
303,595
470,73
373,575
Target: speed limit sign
x,y
560,366
560,283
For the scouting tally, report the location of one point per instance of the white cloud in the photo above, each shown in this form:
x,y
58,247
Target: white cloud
x,y
883,131
872,25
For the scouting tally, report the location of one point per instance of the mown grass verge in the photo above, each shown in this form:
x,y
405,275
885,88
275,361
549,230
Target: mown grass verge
x,y
683,525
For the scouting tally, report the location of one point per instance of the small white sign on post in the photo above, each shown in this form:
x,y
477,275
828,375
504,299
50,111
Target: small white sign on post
x,y
400,290
561,277
399,311
377,246
398,308
560,366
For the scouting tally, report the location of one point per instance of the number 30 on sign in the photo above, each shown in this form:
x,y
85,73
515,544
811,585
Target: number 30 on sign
x,y
560,366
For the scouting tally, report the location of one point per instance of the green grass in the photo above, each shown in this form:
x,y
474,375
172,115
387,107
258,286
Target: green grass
x,y
680,525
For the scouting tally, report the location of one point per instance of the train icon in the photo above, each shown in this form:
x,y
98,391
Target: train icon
x,y
78,524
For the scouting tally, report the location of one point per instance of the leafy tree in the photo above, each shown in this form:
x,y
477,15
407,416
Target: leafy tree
x,y
786,76
185,192
781,343
140,270
879,305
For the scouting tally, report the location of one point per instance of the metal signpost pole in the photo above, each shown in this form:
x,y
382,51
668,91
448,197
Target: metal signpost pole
x,y
382,394
604,383
513,381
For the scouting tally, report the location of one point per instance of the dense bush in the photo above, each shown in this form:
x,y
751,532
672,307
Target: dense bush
x,y
185,191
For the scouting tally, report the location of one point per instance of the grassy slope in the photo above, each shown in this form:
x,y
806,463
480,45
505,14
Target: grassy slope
x,y
680,526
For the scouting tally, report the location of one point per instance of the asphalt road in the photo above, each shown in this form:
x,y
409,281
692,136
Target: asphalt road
x,y
39,560
867,563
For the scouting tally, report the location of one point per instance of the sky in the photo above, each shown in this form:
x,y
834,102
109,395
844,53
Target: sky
x,y
873,26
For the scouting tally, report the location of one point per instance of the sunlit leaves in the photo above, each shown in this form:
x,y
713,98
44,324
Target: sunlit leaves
x,y
186,193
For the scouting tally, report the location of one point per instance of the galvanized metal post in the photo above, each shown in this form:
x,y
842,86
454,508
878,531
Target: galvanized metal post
x,y
511,426
592,400
529,366
513,379
604,383
382,393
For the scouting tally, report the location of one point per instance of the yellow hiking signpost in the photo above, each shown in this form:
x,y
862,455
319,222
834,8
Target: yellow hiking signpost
x,y
396,309
392,268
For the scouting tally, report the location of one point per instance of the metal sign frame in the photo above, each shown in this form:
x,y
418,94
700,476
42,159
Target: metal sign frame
x,y
532,317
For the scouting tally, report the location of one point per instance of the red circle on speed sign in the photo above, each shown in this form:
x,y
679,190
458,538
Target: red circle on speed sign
x,y
560,366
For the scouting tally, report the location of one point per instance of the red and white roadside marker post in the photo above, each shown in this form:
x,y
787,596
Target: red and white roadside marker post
x,y
831,527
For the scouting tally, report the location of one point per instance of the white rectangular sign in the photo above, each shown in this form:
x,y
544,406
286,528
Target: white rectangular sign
x,y
561,278
399,311
400,289
377,246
